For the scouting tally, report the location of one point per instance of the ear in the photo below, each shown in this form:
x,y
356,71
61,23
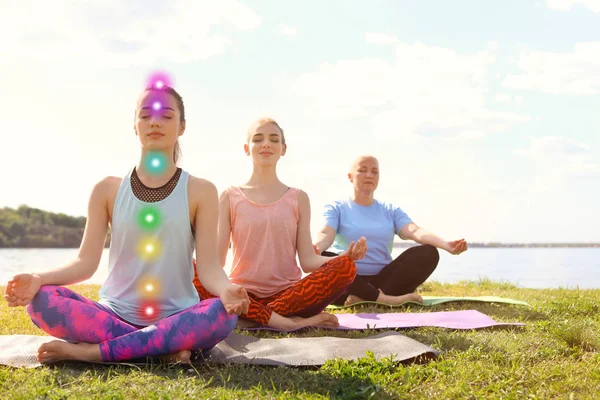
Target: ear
x,y
283,149
349,176
247,149
135,130
181,128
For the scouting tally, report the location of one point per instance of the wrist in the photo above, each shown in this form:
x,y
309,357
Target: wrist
x,y
37,278
225,288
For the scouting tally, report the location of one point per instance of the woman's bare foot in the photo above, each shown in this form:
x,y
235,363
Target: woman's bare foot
x,y
323,320
182,356
352,299
395,300
58,350
387,299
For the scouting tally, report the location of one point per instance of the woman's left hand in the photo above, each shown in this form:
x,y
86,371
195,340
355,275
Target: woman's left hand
x,y
235,299
456,247
356,251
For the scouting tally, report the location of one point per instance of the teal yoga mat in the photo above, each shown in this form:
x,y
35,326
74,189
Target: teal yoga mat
x,y
434,300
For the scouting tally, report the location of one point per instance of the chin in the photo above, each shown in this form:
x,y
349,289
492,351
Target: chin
x,y
265,163
156,145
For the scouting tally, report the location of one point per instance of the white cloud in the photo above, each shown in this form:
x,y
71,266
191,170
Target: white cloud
x,y
120,33
503,98
560,156
519,102
565,5
575,73
424,91
380,39
288,30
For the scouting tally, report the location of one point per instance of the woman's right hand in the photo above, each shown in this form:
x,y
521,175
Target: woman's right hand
x,y
21,289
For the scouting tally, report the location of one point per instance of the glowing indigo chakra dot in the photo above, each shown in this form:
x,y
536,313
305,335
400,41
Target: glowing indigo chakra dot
x,y
149,218
155,163
156,106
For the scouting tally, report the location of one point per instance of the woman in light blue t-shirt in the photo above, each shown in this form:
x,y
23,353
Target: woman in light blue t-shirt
x,y
379,277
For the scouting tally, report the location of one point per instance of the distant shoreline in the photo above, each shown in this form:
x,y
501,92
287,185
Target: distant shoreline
x,y
517,245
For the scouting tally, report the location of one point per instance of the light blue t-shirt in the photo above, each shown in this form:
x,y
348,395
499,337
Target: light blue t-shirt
x,y
378,223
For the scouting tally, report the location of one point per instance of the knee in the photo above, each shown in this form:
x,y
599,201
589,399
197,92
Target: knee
x,y
39,304
226,322
346,269
40,300
432,255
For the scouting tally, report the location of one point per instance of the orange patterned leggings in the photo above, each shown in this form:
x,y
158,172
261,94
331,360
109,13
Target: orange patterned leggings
x,y
305,298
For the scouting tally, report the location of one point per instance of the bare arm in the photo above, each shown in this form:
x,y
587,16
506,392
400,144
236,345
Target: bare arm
x,y
422,236
92,244
325,238
224,230
22,288
210,273
309,261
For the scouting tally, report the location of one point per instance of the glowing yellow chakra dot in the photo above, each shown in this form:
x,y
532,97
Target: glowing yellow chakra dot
x,y
149,249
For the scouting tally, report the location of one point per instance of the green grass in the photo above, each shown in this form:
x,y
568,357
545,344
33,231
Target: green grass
x,y
556,356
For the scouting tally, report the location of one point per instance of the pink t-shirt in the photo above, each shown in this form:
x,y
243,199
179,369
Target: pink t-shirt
x,y
263,240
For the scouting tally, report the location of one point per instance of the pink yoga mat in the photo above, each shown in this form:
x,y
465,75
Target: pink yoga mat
x,y
464,319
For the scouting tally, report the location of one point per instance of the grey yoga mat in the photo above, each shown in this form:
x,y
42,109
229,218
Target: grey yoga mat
x,y
21,350
435,300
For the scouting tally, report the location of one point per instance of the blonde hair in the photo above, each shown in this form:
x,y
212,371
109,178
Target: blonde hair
x,y
261,122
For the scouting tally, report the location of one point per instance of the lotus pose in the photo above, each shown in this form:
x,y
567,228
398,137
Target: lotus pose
x,y
268,223
148,305
379,278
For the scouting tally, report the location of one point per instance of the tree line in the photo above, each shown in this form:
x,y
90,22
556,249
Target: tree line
x,y
27,227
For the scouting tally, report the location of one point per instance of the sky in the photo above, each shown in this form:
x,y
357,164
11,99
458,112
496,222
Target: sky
x,y
484,115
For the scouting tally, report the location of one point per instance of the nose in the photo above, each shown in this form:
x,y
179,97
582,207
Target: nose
x,y
155,121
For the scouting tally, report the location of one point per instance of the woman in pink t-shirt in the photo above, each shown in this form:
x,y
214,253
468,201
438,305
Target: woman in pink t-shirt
x,y
268,223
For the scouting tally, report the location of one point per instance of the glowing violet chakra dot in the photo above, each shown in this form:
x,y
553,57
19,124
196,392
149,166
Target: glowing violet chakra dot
x,y
159,79
155,163
156,106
